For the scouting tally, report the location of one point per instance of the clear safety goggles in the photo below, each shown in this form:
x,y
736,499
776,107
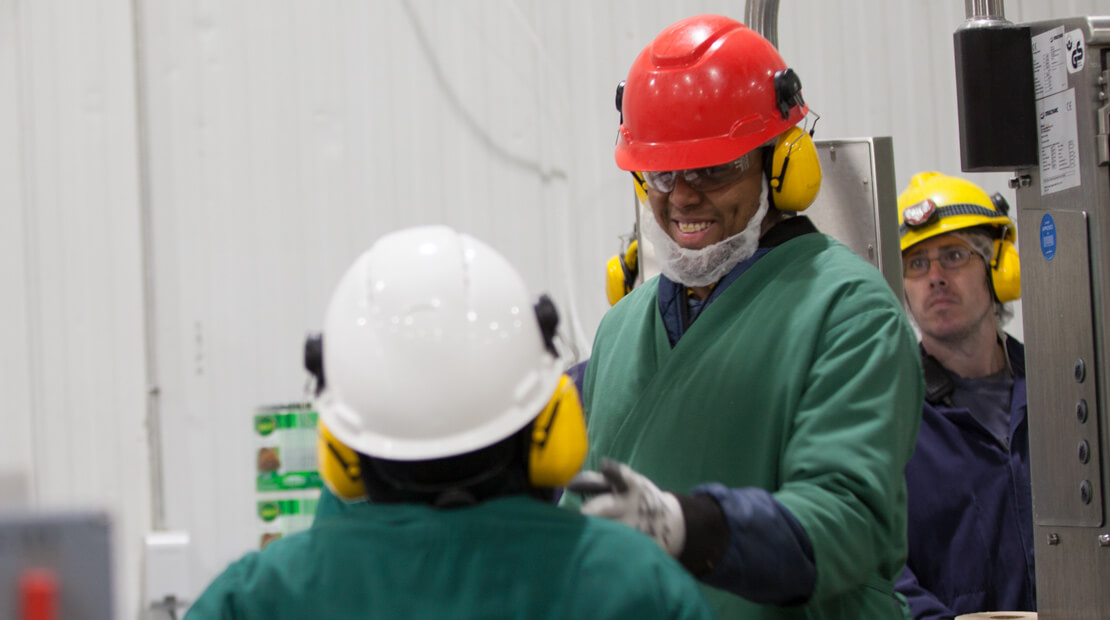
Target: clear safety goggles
x,y
705,179
951,257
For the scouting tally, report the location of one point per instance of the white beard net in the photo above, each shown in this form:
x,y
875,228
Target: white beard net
x,y
709,264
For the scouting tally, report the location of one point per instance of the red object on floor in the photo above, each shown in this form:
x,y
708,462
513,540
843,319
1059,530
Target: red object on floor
x,y
38,595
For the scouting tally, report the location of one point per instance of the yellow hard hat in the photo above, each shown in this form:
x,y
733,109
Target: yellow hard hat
x,y
935,204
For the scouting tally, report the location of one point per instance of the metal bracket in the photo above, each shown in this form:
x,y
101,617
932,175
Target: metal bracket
x,y
1023,180
1102,137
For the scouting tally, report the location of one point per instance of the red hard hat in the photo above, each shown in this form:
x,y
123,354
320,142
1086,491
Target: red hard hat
x,y
707,90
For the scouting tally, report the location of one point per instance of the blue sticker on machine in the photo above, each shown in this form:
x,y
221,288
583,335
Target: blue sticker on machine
x,y
1048,237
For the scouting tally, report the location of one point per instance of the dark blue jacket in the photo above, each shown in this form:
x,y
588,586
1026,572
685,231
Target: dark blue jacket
x,y
970,506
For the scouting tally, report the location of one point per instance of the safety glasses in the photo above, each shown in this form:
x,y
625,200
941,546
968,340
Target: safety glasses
x,y
699,179
950,258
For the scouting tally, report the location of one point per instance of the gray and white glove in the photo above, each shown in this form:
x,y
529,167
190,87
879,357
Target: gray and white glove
x,y
624,495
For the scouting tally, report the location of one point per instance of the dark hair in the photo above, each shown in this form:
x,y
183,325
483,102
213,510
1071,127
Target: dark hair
x,y
466,479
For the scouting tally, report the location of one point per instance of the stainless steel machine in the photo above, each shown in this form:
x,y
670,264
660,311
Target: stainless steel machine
x,y
55,565
1035,99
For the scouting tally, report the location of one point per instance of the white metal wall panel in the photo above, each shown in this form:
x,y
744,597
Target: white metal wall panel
x,y
80,306
15,377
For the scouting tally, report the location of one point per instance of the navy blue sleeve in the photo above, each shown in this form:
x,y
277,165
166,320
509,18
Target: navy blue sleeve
x,y
577,373
769,557
923,604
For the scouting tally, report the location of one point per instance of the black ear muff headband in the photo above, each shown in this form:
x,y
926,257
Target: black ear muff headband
x,y
548,317
1000,204
351,470
768,165
314,359
620,100
546,430
629,272
788,91
1002,230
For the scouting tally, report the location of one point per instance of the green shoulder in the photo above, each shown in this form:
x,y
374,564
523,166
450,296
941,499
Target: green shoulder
x,y
650,583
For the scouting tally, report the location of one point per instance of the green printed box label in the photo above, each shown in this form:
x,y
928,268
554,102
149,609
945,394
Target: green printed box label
x,y
288,482
285,443
278,518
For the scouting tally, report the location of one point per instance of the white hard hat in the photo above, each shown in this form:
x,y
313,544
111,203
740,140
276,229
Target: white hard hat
x,y
432,348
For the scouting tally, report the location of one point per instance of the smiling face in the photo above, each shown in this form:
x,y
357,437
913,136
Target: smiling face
x,y
948,304
696,219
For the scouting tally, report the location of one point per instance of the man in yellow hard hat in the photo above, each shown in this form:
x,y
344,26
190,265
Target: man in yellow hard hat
x,y
445,421
752,408
970,505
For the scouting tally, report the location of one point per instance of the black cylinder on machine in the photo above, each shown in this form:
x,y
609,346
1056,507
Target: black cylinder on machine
x,y
995,98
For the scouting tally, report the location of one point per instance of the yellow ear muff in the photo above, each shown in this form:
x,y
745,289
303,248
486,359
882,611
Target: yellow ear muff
x,y
641,187
558,439
620,273
338,466
794,153
621,270
1005,271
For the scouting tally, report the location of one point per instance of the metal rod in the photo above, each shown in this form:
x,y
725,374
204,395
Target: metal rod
x,y
984,9
984,14
150,332
762,16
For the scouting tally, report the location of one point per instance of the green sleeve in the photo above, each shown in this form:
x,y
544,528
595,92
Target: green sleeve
x,y
853,434
687,601
573,501
217,602
624,574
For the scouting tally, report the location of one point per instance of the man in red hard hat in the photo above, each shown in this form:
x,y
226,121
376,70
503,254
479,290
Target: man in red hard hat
x,y
769,376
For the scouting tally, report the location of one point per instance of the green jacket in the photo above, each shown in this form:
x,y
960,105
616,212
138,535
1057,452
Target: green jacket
x,y
802,379
512,557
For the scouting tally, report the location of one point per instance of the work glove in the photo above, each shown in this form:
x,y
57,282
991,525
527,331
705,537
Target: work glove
x,y
629,497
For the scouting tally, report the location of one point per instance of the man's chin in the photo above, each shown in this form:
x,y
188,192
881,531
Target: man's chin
x,y
693,247
946,331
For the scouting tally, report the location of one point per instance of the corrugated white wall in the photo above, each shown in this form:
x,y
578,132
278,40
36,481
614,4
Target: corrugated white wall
x,y
15,441
72,330
279,140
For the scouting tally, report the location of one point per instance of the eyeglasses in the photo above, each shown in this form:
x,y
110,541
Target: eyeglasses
x,y
705,179
950,258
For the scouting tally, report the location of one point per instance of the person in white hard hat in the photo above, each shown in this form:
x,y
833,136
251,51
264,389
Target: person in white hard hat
x,y
444,422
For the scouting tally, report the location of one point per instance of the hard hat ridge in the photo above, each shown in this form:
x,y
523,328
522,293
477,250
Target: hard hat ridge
x,y
702,93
